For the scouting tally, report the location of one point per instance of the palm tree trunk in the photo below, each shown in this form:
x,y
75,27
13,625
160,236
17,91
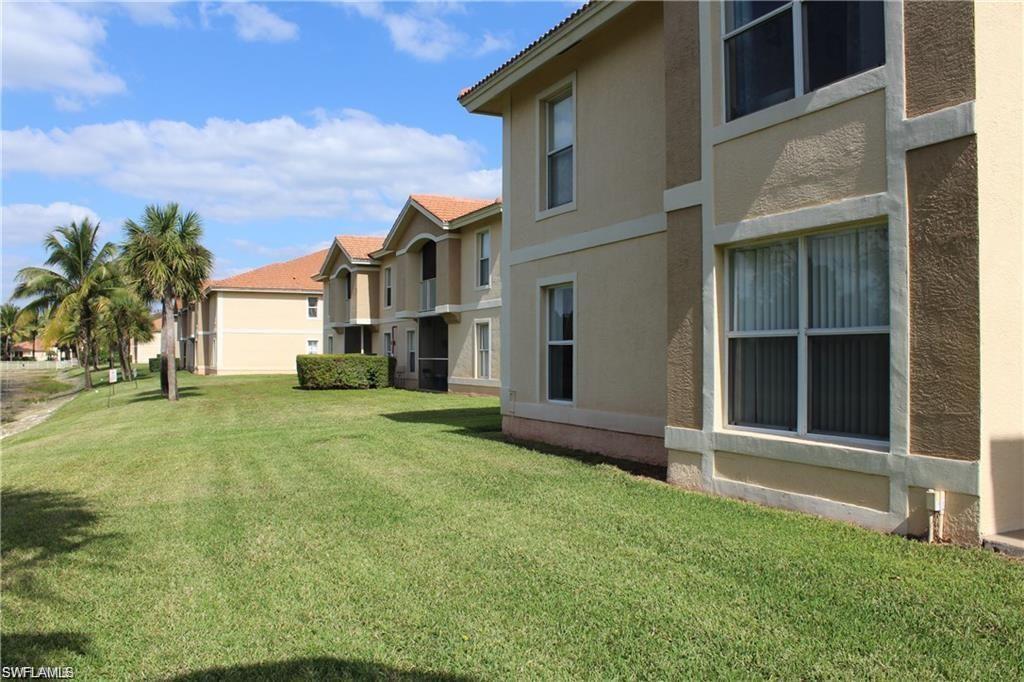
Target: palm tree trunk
x,y
167,339
87,348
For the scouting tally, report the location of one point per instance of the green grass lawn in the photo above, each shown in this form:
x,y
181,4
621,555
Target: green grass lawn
x,y
253,530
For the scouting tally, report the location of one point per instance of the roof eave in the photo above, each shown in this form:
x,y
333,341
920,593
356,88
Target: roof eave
x,y
488,211
591,18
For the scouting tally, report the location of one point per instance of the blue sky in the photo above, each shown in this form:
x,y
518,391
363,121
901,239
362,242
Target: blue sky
x,y
281,123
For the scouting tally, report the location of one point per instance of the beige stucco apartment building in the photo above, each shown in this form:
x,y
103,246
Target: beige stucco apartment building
x,y
255,322
776,248
428,293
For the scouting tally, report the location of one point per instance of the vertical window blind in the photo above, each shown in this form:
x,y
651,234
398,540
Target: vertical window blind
x,y
830,353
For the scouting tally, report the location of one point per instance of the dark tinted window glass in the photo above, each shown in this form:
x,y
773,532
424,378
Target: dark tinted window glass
x,y
840,40
744,11
762,382
560,178
759,65
849,385
560,372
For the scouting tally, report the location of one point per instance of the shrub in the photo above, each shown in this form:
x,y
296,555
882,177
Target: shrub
x,y
154,364
345,371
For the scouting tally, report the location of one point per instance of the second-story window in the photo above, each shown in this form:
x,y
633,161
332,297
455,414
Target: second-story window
x,y
348,287
776,50
387,287
561,140
483,254
311,306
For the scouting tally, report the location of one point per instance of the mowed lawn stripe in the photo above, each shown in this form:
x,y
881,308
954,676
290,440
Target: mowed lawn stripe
x,y
254,530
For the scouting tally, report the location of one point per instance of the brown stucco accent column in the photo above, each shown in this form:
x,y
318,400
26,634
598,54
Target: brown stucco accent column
x,y
449,272
939,51
685,319
945,381
682,93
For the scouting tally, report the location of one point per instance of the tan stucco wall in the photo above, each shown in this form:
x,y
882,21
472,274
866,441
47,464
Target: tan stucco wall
x,y
363,289
449,272
944,322
685,279
263,332
621,328
863,490
470,292
938,42
682,93
831,154
149,349
999,119
462,344
684,469
620,143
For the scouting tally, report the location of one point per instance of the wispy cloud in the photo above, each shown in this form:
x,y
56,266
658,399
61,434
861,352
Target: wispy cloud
x,y
255,23
287,251
29,223
349,165
424,31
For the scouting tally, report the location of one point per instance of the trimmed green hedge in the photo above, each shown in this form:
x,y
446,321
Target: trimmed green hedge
x,y
345,371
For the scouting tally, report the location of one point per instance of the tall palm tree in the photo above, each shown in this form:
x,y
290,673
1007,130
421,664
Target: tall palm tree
x,y
78,278
165,256
10,328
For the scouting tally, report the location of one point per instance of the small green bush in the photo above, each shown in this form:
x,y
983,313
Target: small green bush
x,y
154,364
345,371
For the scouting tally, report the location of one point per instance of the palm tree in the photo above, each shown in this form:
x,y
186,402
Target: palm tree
x,y
32,323
165,256
10,328
78,278
125,319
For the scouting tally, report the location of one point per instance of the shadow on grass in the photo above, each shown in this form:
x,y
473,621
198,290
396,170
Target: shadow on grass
x,y
485,422
323,668
41,649
156,394
39,526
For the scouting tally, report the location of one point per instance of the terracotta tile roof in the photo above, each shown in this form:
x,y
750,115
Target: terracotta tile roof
x,y
359,247
291,275
522,53
447,209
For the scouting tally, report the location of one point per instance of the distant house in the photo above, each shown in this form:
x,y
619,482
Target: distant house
x,y
147,350
429,293
25,350
255,322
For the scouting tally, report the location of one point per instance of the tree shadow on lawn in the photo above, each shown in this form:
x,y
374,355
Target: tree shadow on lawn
x,y
40,649
156,394
322,668
40,526
485,423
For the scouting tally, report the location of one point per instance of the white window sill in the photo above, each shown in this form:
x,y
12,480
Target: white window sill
x,y
557,210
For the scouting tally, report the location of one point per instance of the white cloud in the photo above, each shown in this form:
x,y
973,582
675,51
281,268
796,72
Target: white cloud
x,y
257,23
492,43
287,251
29,223
350,165
418,31
147,13
52,48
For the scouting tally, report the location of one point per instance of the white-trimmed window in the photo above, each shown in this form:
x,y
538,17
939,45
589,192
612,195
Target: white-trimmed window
x,y
410,346
312,346
776,50
483,258
387,287
808,334
560,343
311,307
483,349
560,147
388,348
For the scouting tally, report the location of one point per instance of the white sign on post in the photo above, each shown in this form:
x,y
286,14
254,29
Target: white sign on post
x,y
112,376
